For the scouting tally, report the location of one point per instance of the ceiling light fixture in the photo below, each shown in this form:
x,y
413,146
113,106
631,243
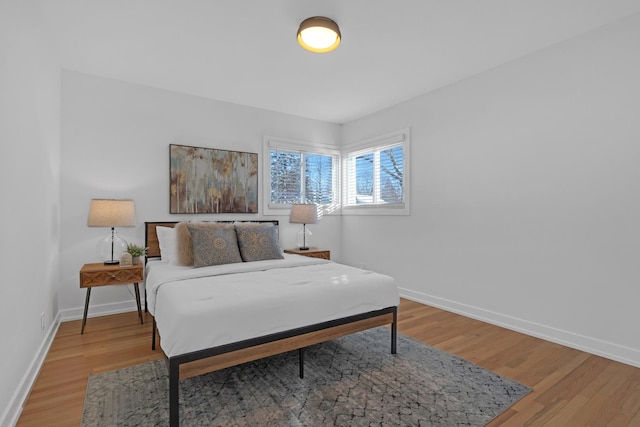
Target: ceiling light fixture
x,y
319,34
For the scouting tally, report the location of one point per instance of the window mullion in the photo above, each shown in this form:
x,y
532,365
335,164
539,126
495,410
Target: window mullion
x,y
303,178
280,184
376,177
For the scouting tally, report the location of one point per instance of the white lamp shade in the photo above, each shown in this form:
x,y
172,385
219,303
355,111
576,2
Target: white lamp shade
x,y
304,214
112,213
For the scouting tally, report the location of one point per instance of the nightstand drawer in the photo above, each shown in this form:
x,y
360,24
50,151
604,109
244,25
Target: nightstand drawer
x,y
311,253
110,277
320,254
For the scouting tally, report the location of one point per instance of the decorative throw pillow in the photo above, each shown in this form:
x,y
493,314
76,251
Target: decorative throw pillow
x,y
168,243
259,243
185,242
214,246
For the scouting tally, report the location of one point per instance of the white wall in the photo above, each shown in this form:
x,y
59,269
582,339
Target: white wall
x,y
29,172
115,144
525,197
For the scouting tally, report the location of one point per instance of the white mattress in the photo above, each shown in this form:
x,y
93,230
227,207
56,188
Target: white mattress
x,y
199,308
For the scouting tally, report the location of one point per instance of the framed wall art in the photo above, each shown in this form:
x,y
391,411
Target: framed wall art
x,y
207,180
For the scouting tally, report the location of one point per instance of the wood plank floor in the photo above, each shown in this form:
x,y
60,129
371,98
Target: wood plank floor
x,y
571,388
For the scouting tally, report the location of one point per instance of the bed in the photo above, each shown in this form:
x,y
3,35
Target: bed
x,y
210,317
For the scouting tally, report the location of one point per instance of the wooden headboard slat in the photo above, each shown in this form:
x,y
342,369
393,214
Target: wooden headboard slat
x,y
151,236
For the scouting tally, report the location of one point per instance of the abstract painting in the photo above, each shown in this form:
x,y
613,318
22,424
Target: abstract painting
x,y
207,180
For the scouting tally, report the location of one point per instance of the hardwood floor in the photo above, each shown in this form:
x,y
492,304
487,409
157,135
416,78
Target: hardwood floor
x,y
570,387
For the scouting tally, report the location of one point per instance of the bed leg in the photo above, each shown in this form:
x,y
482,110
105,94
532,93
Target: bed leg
x,y
394,331
301,361
174,397
153,334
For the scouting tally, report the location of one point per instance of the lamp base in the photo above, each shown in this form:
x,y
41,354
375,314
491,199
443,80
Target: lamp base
x,y
111,248
304,236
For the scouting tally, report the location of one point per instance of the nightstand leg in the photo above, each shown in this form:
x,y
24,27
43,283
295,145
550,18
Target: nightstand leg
x,y
301,362
137,289
86,308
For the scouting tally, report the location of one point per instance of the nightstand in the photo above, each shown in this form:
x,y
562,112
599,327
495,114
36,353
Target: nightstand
x,y
311,252
98,274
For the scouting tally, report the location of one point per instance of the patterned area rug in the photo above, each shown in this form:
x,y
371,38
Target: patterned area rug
x,y
351,381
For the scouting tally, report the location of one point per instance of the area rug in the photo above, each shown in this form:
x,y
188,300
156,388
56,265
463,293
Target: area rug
x,y
351,381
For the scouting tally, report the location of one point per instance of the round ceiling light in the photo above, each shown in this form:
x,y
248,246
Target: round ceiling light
x,y
319,34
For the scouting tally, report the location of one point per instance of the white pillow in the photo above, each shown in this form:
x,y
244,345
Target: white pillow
x,y
168,241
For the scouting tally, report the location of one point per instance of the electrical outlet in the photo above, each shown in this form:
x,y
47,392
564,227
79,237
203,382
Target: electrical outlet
x,y
42,321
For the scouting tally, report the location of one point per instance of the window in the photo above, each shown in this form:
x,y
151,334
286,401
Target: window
x,y
300,173
376,176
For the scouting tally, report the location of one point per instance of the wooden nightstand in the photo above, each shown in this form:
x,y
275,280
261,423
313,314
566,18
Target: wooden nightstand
x,y
311,252
98,274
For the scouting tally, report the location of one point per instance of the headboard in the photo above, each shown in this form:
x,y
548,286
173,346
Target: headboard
x,y
151,236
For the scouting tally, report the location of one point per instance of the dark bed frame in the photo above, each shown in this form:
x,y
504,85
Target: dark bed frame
x,y
219,357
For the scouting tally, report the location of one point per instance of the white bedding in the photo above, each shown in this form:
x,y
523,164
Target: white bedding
x,y
199,308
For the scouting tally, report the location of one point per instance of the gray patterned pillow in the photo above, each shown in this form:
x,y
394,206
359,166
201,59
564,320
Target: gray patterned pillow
x,y
259,243
185,242
214,246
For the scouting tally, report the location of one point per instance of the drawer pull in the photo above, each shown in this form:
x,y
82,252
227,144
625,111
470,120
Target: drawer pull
x,y
113,276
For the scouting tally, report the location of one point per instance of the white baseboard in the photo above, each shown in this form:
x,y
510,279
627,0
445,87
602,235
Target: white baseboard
x,y
14,409
609,350
100,310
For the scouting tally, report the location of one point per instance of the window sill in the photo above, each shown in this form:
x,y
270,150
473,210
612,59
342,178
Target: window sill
x,y
402,209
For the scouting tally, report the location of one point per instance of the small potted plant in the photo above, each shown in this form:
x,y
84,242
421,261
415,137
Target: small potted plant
x,y
136,252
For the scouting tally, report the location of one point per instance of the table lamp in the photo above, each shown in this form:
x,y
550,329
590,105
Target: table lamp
x,y
111,213
303,214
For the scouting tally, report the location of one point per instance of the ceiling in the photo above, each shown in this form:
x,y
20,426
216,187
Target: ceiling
x,y
245,51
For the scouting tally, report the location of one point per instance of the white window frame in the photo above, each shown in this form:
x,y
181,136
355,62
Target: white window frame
x,y
269,143
377,144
